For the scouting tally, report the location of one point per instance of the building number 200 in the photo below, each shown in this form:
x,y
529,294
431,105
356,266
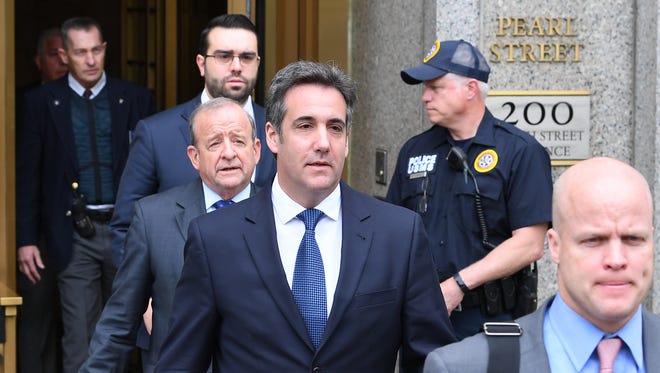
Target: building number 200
x,y
540,117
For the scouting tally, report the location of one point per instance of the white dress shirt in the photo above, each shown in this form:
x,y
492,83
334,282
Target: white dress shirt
x,y
290,231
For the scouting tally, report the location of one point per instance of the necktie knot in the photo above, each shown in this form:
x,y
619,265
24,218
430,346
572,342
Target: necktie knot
x,y
310,217
87,94
607,350
222,203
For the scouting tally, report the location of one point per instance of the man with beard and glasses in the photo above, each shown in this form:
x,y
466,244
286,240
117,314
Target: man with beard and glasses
x,y
228,60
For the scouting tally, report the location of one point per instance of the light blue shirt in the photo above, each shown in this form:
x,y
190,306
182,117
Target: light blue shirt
x,y
80,90
571,341
211,197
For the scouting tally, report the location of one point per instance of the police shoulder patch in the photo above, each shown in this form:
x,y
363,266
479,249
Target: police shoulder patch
x,y
486,161
434,50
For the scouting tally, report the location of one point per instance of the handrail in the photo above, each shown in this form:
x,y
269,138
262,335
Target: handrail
x,y
9,302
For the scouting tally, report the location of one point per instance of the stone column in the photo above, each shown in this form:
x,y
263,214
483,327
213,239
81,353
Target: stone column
x,y
617,64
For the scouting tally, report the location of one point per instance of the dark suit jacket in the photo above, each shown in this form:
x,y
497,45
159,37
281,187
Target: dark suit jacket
x,y
153,263
46,162
233,302
158,161
471,354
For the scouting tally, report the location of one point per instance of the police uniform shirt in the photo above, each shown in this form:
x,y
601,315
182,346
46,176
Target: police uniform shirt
x,y
512,171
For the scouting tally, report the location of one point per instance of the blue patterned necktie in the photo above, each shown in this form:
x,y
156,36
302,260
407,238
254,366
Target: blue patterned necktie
x,y
222,203
309,279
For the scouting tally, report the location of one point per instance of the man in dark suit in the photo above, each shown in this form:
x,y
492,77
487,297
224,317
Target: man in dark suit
x,y
228,60
360,287
73,141
224,151
602,241
38,324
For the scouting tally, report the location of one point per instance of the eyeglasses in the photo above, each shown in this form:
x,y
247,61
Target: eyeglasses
x,y
225,58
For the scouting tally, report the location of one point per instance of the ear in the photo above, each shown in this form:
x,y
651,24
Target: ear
x,y
554,245
257,150
63,55
272,138
472,88
348,138
193,155
200,60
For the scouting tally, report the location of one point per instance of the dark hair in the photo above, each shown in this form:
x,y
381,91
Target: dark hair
x,y
44,35
307,72
215,104
236,21
79,23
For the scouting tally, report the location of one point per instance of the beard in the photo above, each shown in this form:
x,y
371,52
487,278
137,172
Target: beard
x,y
219,88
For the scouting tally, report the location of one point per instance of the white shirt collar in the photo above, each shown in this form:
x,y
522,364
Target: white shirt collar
x,y
247,106
79,89
285,209
211,197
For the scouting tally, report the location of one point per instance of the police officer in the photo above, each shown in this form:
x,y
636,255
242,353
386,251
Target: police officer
x,y
482,186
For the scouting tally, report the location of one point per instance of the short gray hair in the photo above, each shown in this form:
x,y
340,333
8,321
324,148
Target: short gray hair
x,y
483,86
307,72
214,104
79,23
45,35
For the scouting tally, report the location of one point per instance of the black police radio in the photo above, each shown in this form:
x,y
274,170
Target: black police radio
x,y
81,220
516,293
458,161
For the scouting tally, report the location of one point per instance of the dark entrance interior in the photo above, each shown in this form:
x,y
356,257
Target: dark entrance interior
x,y
135,31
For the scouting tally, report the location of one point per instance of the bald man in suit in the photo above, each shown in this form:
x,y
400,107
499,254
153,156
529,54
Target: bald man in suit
x,y
602,242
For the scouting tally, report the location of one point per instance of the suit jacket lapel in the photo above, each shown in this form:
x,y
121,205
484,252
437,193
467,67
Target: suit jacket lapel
x,y
59,107
650,332
119,114
186,110
356,243
533,357
190,205
265,254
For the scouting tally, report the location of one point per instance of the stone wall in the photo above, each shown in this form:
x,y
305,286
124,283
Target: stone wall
x,y
617,64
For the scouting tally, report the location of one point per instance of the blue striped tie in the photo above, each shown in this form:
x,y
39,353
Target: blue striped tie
x,y
309,279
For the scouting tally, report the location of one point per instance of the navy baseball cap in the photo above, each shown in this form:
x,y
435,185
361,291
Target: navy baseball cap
x,y
451,56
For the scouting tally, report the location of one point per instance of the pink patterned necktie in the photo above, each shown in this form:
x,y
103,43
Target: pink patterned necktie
x,y
607,350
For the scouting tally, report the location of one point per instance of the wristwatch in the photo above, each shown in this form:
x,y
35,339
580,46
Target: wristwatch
x,y
461,283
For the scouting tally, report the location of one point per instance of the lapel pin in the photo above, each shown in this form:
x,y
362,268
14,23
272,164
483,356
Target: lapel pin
x,y
121,101
56,102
